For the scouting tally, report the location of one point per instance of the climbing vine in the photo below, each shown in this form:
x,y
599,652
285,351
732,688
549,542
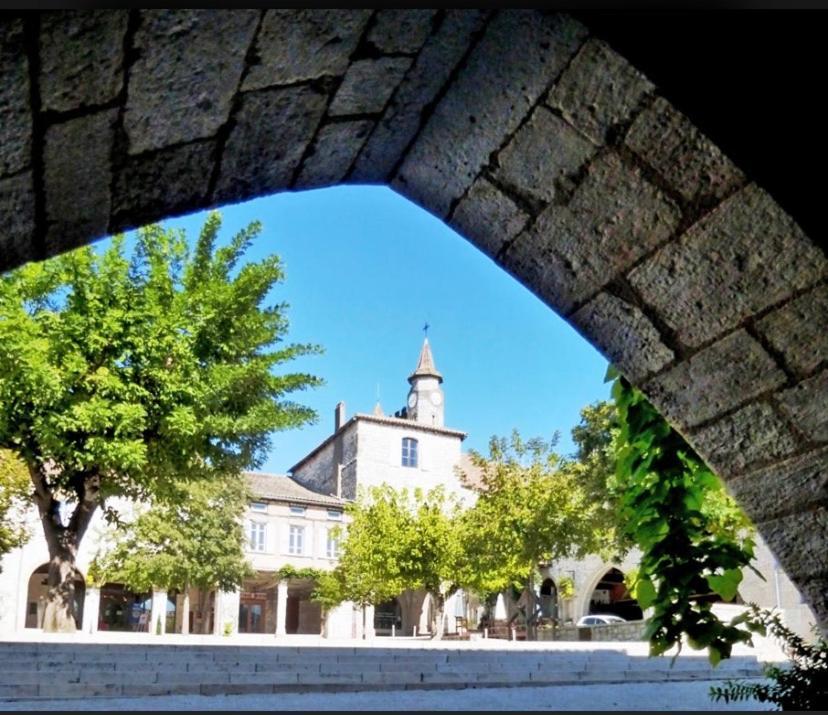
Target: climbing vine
x,y
671,506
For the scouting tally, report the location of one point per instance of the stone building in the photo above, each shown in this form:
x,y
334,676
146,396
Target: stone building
x,y
291,526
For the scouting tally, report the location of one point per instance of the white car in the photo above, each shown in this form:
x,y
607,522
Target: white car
x,y
598,619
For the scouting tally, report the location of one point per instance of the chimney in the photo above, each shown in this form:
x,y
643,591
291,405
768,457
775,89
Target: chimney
x,y
339,416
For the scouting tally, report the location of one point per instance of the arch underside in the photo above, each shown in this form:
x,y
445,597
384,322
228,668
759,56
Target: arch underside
x,y
530,137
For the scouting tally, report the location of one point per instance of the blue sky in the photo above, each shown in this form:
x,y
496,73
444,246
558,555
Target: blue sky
x,y
365,269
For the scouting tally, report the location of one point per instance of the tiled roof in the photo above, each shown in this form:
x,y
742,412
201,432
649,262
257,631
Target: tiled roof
x,y
280,487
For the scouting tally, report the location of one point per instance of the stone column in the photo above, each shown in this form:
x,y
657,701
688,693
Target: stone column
x,y
159,611
225,610
91,609
281,607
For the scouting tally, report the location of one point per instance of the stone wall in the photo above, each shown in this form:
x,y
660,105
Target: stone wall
x,y
533,139
629,631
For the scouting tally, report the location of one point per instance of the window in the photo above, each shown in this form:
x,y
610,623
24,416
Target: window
x,y
258,506
297,509
332,550
296,544
335,514
256,536
409,452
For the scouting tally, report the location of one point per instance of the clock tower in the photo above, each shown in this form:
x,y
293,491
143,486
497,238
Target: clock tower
x,y
425,398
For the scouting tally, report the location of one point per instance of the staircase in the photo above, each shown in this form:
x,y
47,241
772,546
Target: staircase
x,y
84,670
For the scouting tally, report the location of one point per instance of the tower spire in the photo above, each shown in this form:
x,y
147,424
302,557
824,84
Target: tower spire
x,y
425,365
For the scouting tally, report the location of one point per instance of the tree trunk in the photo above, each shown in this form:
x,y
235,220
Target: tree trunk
x,y
61,614
439,609
531,610
363,621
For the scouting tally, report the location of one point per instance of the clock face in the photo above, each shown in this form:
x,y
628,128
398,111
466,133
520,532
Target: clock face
x,y
436,398
412,399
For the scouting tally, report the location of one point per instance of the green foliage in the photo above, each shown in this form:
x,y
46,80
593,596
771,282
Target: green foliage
x,y
228,628
196,538
307,572
15,493
566,587
396,540
694,538
596,438
802,684
531,509
121,376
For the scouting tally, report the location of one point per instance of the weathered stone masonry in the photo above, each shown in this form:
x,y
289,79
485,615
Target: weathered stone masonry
x,y
533,139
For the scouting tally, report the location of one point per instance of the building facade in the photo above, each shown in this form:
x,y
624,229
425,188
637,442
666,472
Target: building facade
x,y
294,525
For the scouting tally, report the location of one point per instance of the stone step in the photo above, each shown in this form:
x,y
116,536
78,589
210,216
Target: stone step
x,y
98,670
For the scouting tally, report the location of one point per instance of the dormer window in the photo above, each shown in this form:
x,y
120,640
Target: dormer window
x,y
409,452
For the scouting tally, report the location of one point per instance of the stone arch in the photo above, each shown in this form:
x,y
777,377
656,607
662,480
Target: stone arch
x,y
36,591
549,599
610,583
531,137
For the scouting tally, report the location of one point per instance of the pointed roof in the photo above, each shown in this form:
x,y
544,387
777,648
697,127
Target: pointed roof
x,y
425,365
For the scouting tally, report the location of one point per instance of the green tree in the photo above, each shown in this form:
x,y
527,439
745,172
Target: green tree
x,y
194,539
397,542
532,509
119,377
15,489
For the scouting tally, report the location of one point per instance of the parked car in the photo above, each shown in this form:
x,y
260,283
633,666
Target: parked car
x,y
598,619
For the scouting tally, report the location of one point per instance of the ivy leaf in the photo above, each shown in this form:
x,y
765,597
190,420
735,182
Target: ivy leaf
x,y
726,584
645,593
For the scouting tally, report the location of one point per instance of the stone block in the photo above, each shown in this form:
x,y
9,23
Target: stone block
x,y
272,129
488,218
613,218
181,688
297,45
367,86
81,57
542,157
21,690
784,488
77,179
402,31
714,380
284,678
599,90
799,330
554,676
78,690
815,591
18,219
807,405
15,112
667,141
182,84
745,256
421,84
798,540
334,150
486,103
162,183
624,335
755,433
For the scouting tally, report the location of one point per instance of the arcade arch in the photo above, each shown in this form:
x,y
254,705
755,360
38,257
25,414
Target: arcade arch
x,y
551,154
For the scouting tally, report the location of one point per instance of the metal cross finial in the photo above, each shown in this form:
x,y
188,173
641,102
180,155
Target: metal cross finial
x,y
425,329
